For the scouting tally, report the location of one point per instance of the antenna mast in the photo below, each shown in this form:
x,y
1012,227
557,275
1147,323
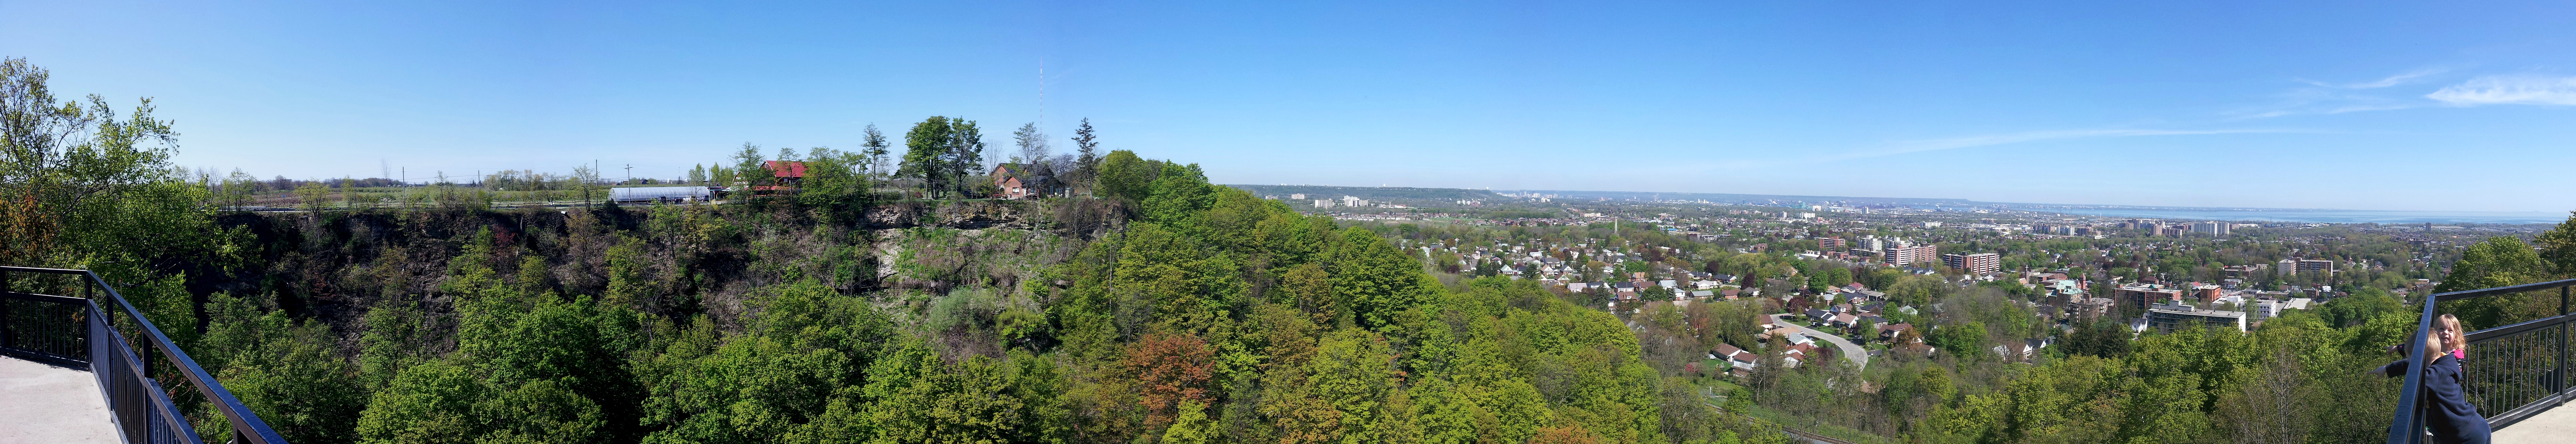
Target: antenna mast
x,y
1041,91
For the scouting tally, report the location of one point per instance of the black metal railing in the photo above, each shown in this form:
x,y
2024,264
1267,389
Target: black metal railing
x,y
74,332
2519,370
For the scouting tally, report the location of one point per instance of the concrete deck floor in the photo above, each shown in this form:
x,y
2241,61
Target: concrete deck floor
x,y
2556,425
49,404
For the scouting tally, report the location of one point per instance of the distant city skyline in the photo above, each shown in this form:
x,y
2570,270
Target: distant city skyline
x,y
2441,107
2101,210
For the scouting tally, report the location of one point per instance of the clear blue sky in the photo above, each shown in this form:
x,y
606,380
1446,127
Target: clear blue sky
x,y
2402,105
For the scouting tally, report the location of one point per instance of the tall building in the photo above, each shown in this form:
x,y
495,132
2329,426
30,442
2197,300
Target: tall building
x,y
1832,244
1978,263
2211,228
1905,253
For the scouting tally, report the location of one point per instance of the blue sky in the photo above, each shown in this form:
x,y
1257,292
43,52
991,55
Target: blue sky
x,y
2414,106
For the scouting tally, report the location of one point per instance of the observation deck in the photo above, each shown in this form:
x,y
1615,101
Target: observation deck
x,y
64,401
68,374
2552,426
2517,375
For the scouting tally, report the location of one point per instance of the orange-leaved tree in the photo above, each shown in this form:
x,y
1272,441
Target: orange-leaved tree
x,y
1170,369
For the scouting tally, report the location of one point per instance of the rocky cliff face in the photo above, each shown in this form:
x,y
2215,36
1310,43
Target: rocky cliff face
x,y
1084,219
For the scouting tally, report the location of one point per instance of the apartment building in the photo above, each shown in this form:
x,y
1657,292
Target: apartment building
x,y
1977,263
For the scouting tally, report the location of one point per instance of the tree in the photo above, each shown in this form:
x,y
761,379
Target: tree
x,y
586,180
2558,246
965,153
875,149
834,180
1123,175
284,370
942,151
925,148
747,168
2104,338
1377,281
312,196
1087,165
66,169
2500,261
2359,308
1192,427
1172,371
1032,145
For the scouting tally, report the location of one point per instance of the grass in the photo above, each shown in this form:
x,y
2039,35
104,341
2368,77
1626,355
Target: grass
x,y
1837,432
1792,421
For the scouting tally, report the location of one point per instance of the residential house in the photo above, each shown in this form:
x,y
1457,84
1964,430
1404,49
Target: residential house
x,y
1022,181
1736,357
1890,331
786,175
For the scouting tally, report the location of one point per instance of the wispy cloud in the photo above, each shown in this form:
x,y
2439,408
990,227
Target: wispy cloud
x,y
1917,146
2394,80
2322,97
2509,89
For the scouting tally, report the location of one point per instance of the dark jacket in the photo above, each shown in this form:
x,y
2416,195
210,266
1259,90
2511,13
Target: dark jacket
x,y
2444,406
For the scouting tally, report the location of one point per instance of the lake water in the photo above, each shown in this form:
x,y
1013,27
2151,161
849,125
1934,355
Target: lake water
x,y
2322,216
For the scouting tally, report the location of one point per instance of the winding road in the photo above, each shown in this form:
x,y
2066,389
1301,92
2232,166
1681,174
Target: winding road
x,y
1858,356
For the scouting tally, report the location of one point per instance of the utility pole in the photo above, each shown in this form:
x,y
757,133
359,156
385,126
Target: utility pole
x,y
630,172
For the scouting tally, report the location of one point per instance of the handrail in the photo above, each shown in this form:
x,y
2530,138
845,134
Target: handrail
x,y
2504,290
246,425
2403,429
2407,425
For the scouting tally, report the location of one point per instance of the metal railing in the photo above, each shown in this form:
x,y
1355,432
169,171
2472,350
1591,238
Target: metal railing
x,y
74,332
2519,370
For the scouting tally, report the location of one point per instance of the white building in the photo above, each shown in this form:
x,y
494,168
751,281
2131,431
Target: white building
x,y
2211,228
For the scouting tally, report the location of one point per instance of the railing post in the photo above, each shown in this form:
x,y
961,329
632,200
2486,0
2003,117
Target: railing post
x,y
6,339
